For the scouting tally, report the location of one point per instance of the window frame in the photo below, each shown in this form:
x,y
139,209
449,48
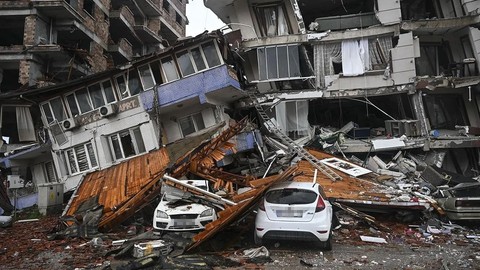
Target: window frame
x,y
175,64
134,141
259,12
77,165
204,58
195,124
265,64
45,171
48,102
102,90
151,76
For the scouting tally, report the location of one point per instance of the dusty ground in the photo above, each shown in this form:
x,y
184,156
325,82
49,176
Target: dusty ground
x,y
25,246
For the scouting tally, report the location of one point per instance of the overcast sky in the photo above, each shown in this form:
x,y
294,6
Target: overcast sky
x,y
201,18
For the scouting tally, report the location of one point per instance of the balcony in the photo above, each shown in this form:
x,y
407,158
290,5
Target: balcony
x,y
57,9
149,8
146,34
122,23
218,84
121,52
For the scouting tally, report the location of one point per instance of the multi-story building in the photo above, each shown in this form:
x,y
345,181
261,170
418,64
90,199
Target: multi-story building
x,y
45,43
101,120
394,68
48,42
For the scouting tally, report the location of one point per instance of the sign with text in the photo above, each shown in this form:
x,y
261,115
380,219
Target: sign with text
x,y
123,105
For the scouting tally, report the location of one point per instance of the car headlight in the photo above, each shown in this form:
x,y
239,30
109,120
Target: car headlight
x,y
161,214
207,213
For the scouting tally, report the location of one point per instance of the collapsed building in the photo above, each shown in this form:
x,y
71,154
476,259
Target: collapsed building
x,y
386,83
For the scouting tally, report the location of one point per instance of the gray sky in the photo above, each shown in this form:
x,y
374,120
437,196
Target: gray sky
x,y
201,18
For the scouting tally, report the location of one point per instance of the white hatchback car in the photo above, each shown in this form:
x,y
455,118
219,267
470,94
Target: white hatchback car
x,y
295,211
175,212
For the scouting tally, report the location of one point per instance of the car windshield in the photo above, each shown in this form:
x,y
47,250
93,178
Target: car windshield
x,y
291,196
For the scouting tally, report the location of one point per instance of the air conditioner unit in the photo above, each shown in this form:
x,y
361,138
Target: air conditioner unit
x,y
69,124
108,110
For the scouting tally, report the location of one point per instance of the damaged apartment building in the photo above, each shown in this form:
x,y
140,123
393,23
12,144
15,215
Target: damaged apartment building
x,y
46,43
105,119
394,75
356,77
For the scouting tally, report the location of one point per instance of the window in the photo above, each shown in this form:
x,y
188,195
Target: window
x,y
129,84
54,110
169,69
92,97
278,62
146,77
191,124
166,6
89,6
433,60
272,20
178,18
101,94
185,63
80,158
50,175
198,58
126,143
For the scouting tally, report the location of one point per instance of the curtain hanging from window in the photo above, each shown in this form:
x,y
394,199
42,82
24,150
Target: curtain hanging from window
x,y
352,64
26,131
292,116
325,55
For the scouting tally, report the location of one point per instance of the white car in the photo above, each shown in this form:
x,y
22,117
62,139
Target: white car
x,y
177,212
294,211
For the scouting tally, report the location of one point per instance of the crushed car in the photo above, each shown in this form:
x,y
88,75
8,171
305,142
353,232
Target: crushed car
x,y
182,211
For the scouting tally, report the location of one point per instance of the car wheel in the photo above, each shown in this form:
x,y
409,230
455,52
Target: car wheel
x,y
257,240
327,245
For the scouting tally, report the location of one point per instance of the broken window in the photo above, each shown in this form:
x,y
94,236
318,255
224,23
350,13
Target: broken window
x,y
127,143
53,110
80,158
169,69
191,123
272,19
17,124
278,62
446,111
329,57
129,84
